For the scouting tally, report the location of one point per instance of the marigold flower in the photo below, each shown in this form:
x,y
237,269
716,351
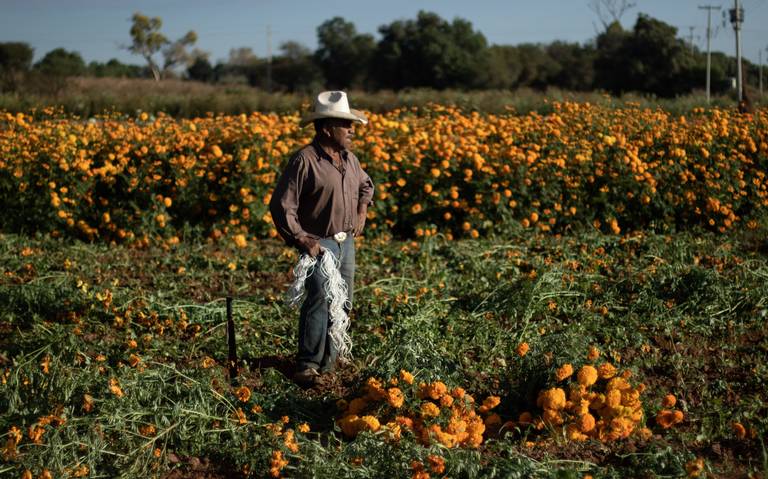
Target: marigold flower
x,y
134,360
669,401
357,406
406,376
552,417
522,349
586,422
695,467
665,418
429,409
395,397
114,388
739,430
587,375
436,464
564,372
243,393
208,362
606,371
552,399
593,353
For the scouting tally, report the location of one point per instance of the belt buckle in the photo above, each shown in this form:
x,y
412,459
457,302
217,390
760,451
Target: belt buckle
x,y
340,237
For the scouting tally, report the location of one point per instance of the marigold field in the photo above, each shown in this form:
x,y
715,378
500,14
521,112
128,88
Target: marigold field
x,y
577,294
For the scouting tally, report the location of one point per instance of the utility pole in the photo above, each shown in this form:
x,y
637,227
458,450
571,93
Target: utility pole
x,y
760,60
709,9
737,18
269,58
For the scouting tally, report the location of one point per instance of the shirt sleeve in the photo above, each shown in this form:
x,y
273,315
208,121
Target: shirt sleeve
x,y
366,188
284,204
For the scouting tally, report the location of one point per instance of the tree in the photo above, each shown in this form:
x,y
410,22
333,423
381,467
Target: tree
x,y
295,70
15,62
343,55
575,66
176,53
147,40
115,68
61,63
503,67
201,70
430,52
649,59
610,11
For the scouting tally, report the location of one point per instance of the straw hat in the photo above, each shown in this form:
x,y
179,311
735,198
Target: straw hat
x,y
333,104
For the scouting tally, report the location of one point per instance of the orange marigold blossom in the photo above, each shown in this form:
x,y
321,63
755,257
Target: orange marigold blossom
x,y
243,393
669,401
587,375
522,349
563,372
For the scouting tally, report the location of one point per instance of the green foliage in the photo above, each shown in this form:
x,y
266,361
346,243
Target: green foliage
x,y
685,314
343,55
429,51
61,63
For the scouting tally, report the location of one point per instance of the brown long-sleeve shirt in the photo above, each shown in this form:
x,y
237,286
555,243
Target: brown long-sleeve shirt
x,y
314,198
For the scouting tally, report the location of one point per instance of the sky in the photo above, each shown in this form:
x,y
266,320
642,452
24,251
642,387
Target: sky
x,y
99,29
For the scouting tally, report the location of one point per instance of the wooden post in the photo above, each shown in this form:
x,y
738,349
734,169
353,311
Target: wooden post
x,y
231,342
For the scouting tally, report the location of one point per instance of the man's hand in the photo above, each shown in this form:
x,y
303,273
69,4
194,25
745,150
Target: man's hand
x,y
309,245
362,213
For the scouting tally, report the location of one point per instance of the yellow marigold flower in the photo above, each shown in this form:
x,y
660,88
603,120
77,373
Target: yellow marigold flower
x,y
552,417
606,371
490,402
395,397
695,467
369,423
552,399
669,401
406,376
586,422
27,474
134,360
348,425
216,150
593,353
243,393
208,362
114,388
564,372
522,349
240,417
148,430
357,406
587,375
446,400
458,392
303,427
613,398
618,383
429,409
645,433
665,418
240,241
573,433
436,464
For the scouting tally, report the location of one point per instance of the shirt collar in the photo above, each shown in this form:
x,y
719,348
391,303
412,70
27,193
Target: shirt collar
x,y
322,153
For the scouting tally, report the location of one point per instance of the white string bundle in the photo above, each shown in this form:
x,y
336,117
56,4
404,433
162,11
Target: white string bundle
x,y
336,294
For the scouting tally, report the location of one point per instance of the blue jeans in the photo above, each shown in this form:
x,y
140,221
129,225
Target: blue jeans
x,y
315,348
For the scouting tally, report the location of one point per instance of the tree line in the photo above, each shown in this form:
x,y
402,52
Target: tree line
x,y
425,52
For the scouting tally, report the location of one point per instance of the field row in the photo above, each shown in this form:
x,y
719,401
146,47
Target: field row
x,y
436,170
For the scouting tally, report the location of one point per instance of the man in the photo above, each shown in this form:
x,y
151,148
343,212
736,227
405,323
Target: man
x,y
322,196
